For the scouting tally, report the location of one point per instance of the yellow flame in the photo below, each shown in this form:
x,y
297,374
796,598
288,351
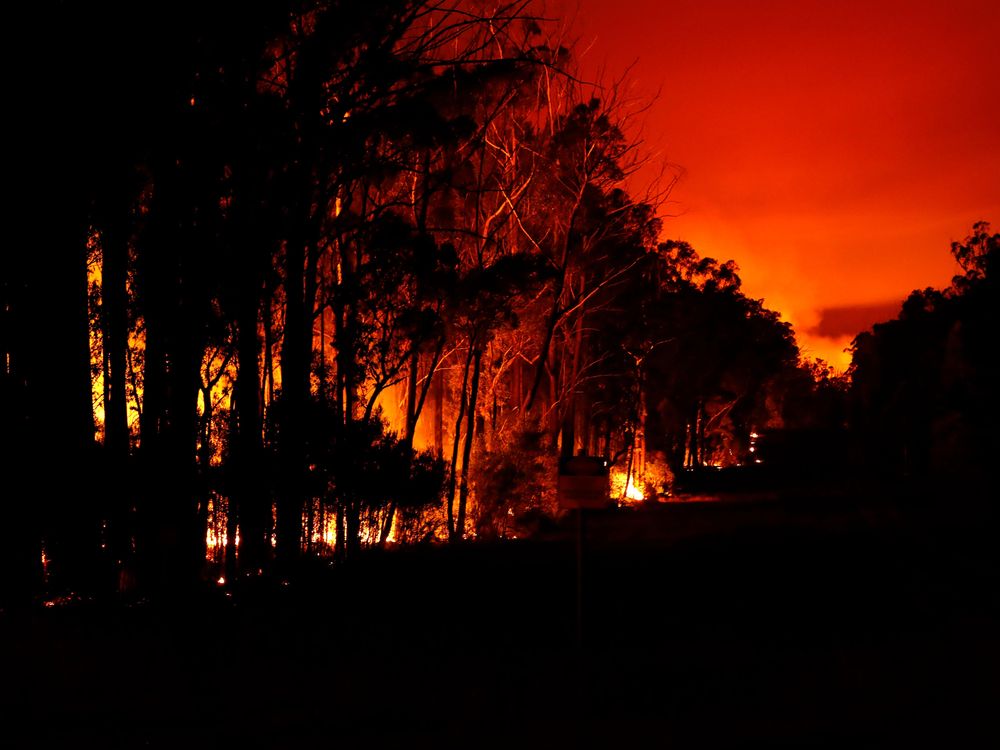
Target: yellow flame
x,y
634,493
629,493
213,540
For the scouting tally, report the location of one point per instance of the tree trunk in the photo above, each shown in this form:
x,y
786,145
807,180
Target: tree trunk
x,y
295,396
439,412
267,385
411,398
700,434
470,430
204,463
452,475
543,351
114,303
169,505
232,506
572,358
353,522
340,548
185,558
177,305
249,506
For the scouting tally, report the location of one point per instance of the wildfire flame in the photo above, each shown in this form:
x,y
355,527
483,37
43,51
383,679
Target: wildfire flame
x,y
221,539
628,493
634,493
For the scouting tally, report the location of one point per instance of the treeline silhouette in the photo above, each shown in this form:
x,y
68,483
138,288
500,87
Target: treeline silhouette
x,y
318,276
924,400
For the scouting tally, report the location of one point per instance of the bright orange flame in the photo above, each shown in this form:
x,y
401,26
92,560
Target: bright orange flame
x,y
213,540
632,492
628,493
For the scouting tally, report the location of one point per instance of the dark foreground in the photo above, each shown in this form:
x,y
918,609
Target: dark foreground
x,y
794,622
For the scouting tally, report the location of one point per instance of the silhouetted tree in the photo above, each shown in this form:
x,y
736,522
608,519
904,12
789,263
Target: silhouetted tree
x,y
923,395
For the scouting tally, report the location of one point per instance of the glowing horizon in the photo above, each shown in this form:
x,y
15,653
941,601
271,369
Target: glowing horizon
x,y
833,151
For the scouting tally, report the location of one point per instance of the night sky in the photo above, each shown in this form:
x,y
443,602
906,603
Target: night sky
x,y
833,149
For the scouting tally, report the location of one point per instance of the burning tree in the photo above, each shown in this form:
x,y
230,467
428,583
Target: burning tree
x,y
359,273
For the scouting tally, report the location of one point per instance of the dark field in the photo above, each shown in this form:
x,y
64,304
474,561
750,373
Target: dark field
x,y
778,622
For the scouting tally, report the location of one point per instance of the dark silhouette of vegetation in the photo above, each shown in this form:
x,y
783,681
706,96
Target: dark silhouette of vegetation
x,y
924,386
347,275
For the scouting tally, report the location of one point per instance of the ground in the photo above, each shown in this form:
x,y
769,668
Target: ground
x,y
797,620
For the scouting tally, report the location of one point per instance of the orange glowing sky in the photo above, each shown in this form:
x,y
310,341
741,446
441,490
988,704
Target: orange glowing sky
x,y
834,149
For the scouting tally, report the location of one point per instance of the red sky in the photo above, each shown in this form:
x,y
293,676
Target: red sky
x,y
834,149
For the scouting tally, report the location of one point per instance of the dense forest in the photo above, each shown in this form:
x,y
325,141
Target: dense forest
x,y
348,275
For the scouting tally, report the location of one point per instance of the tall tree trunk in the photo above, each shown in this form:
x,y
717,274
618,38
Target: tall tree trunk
x,y
153,395
204,464
463,494
232,505
572,359
340,548
439,412
700,434
295,396
639,460
267,387
543,351
249,504
180,507
411,398
114,301
64,373
177,304
629,467
452,475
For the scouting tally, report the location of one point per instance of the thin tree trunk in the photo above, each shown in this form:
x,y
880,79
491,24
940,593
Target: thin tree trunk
x,y
628,470
470,431
700,434
232,507
340,548
268,378
411,398
188,345
455,443
409,427
640,442
439,412
543,352
204,461
353,520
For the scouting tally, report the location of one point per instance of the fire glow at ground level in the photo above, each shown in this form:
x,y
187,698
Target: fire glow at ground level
x,y
708,612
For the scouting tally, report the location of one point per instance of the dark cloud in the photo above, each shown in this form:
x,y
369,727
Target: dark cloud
x,y
850,320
